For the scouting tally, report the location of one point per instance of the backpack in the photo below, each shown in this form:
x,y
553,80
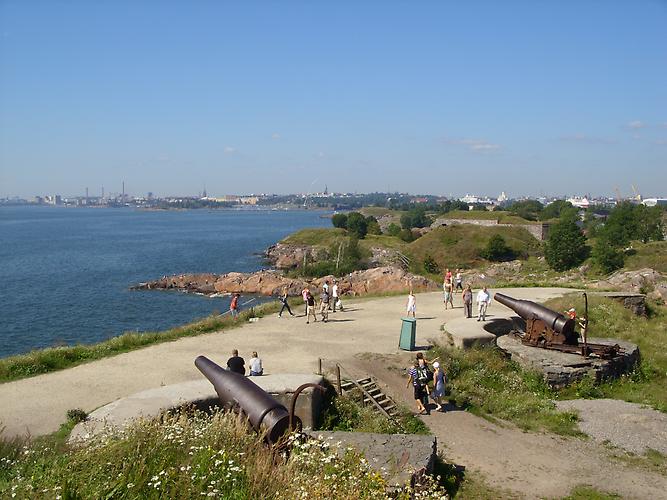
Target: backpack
x,y
423,375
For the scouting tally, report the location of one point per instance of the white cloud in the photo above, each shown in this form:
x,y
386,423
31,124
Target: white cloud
x,y
320,154
229,150
636,125
587,139
275,136
660,142
477,145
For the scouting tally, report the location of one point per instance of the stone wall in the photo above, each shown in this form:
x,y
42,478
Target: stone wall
x,y
539,231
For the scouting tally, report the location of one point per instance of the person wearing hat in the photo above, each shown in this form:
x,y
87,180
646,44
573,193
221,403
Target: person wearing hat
x,y
571,313
439,379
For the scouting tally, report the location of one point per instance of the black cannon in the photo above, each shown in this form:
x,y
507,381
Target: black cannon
x,y
551,330
264,413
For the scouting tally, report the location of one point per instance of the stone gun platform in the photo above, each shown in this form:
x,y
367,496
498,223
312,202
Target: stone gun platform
x,y
561,369
200,393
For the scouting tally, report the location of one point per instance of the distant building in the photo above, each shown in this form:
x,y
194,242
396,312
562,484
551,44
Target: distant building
x,y
579,202
653,202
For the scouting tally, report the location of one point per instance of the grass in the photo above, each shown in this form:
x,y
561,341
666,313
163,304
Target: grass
x,y
647,384
58,358
459,246
653,255
500,216
324,237
485,382
345,413
188,455
589,493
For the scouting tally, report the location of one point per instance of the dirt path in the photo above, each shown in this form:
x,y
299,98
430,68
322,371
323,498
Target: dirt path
x,y
533,465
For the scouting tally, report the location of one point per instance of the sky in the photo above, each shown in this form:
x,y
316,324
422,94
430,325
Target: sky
x,y
445,98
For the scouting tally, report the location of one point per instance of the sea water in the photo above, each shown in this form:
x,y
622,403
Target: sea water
x,y
66,272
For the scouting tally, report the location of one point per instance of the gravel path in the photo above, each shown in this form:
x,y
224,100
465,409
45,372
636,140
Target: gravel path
x,y
629,426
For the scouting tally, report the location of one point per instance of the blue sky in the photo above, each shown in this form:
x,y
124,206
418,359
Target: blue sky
x,y
425,97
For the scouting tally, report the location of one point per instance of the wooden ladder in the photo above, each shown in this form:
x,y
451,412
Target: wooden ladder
x,y
372,394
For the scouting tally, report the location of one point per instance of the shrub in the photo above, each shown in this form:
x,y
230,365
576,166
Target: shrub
x,y
406,235
497,250
430,265
394,229
77,415
372,225
339,220
606,257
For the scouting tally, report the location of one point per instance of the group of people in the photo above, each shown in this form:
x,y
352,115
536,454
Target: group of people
x,y
427,382
236,364
329,300
451,287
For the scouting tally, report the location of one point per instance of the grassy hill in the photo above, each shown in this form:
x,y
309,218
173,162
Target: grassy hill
x,y
653,254
498,215
461,245
323,237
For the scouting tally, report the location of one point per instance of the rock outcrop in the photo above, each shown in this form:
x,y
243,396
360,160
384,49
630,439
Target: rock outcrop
x,y
272,283
288,256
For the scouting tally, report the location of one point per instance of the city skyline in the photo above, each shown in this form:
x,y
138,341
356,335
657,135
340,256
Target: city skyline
x,y
548,99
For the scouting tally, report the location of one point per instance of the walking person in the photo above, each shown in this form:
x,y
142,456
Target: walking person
x,y
234,306
334,296
439,379
483,299
304,296
255,363
412,305
310,307
326,288
324,304
283,299
467,302
458,280
449,292
417,386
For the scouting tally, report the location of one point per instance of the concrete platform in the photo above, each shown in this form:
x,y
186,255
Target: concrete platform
x,y
467,332
200,393
560,369
396,457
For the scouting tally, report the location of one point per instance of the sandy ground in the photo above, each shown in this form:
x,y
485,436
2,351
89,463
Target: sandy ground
x,y
530,464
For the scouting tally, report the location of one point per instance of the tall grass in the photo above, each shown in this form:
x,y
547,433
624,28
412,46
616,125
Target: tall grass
x,y
647,383
58,358
190,456
484,381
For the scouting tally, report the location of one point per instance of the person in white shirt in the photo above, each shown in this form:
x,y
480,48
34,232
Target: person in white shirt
x,y
255,365
334,294
483,299
412,305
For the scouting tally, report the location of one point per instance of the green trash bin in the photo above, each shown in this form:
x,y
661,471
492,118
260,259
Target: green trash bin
x,y
408,331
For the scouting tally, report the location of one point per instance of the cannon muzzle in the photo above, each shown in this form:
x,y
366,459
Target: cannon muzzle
x,y
532,311
264,413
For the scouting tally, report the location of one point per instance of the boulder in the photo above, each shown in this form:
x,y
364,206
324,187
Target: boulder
x,y
288,256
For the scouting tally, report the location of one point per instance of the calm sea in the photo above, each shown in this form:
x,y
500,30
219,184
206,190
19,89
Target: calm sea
x,y
66,271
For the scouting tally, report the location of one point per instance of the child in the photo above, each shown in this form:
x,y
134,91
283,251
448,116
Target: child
x,y
412,305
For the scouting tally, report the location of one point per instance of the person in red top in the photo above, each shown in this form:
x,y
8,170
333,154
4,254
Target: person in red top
x,y
234,306
448,275
571,313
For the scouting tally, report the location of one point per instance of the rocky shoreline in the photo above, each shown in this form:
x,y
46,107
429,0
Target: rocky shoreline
x,y
271,283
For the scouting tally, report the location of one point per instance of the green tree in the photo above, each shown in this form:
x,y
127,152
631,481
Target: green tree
x,y
648,223
497,250
415,217
372,225
406,235
606,257
357,225
339,220
394,229
528,209
619,228
566,245
554,209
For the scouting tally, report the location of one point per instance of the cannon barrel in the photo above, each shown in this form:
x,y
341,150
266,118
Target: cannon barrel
x,y
531,310
264,412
